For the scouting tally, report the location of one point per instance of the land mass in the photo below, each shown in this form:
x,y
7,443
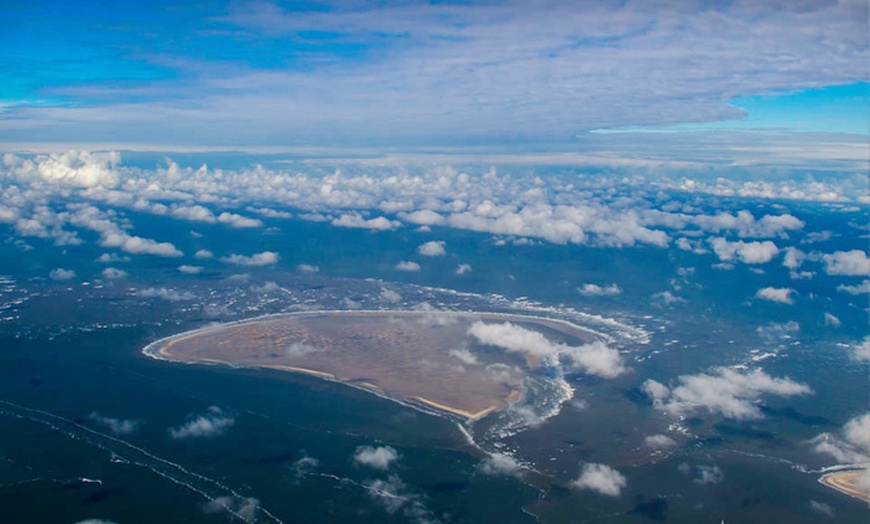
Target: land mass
x,y
847,482
424,358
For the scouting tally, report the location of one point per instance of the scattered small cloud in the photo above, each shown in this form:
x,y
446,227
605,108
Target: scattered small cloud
x,y
462,269
593,290
668,298
465,356
501,464
111,273
858,289
115,425
848,263
214,423
408,266
305,465
203,254
245,508
782,295
659,442
375,457
307,268
266,258
746,252
601,479
355,220
832,320
112,258
172,295
732,394
190,270
390,296
433,248
821,508
61,274
861,351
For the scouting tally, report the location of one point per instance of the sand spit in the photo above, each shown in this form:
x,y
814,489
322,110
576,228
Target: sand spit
x,y
847,482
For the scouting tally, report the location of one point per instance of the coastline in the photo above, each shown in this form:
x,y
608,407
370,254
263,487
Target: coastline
x,y
845,482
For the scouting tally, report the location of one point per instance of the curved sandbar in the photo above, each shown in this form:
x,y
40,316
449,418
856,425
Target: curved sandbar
x,y
847,482
425,358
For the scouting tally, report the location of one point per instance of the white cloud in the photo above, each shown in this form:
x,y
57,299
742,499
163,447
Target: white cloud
x,y
851,263
668,298
355,220
245,508
462,269
61,274
203,254
501,464
111,273
659,442
433,248
746,252
190,270
598,291
594,358
212,424
783,295
821,508
465,356
238,221
732,394
115,425
862,351
859,289
423,217
307,268
112,258
265,258
375,457
850,445
832,320
709,475
408,266
393,495
601,479
172,295
390,296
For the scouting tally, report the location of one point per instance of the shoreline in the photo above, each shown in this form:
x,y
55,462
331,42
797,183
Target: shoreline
x,y
844,481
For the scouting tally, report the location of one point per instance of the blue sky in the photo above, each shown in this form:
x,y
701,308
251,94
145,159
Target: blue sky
x,y
526,76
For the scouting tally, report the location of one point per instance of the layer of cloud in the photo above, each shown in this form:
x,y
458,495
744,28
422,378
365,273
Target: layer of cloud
x,y
727,392
601,479
172,295
214,423
381,457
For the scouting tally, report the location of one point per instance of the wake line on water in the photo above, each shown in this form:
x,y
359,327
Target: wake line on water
x,y
130,454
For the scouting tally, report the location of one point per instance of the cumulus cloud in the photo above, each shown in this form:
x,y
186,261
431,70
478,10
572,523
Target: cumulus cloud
x,y
861,351
465,356
190,270
462,269
850,263
783,295
355,220
659,442
594,358
307,268
408,266
433,248
375,457
213,423
61,274
601,479
832,320
498,464
111,273
266,258
394,496
304,466
115,425
390,296
203,254
172,295
746,252
728,392
245,508
593,290
859,289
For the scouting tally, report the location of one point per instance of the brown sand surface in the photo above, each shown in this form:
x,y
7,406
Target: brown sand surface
x,y
408,355
846,482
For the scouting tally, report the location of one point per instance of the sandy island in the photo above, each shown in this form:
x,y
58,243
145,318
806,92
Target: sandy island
x,y
847,482
426,358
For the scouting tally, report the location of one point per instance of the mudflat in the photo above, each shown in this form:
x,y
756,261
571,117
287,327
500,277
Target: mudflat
x,y
423,357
